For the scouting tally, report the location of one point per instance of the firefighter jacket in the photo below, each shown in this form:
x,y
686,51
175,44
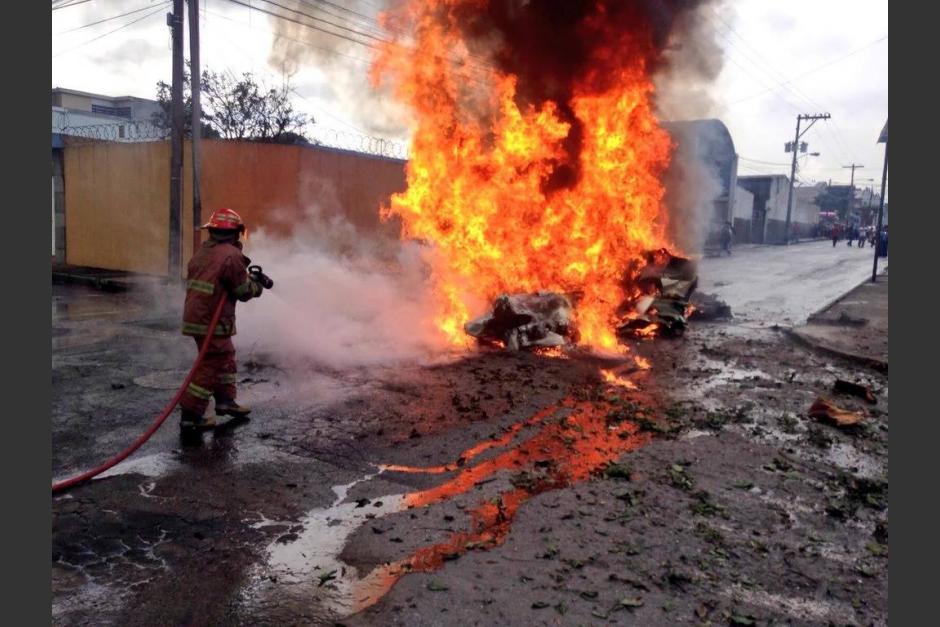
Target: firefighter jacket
x,y
217,268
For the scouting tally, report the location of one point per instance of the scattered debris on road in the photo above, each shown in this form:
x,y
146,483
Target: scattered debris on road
x,y
855,389
825,410
666,283
520,321
708,307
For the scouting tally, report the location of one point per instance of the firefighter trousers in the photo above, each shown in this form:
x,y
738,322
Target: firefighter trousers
x,y
215,376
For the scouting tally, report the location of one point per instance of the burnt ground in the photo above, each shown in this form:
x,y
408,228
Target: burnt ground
x,y
490,489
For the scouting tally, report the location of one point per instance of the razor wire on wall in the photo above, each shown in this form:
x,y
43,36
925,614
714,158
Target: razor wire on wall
x,y
355,142
139,131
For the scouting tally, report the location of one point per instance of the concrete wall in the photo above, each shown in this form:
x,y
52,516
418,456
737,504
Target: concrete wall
x,y
58,206
117,206
117,195
272,186
743,213
73,101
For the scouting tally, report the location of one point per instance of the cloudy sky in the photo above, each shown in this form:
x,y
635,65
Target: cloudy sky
x,y
781,58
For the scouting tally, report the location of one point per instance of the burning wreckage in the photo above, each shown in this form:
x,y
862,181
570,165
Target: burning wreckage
x,y
660,306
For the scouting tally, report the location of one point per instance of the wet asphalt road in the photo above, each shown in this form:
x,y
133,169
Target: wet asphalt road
x,y
785,285
487,477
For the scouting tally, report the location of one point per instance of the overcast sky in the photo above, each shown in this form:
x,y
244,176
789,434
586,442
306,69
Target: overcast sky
x,y
781,58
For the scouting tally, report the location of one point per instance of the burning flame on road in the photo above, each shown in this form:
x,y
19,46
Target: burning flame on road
x,y
536,158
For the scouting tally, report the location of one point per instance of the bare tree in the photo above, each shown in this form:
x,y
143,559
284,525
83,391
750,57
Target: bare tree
x,y
238,108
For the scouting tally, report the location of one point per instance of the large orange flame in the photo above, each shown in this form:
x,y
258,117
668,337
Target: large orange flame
x,y
481,155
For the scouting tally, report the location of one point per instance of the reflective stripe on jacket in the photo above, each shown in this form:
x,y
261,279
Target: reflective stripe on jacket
x,y
216,268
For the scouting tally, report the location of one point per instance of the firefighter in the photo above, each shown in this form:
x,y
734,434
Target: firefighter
x,y
217,268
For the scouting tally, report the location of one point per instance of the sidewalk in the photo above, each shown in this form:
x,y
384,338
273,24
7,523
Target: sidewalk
x,y
854,327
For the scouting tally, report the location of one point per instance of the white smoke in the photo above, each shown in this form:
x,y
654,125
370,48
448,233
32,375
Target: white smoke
x,y
341,297
692,186
685,92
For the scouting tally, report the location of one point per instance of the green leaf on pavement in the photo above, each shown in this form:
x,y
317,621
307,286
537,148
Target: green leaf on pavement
x,y
325,577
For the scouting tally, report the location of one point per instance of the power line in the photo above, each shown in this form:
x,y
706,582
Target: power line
x,y
70,4
300,41
123,26
838,142
764,62
293,89
107,19
770,70
762,162
328,22
356,19
812,71
480,64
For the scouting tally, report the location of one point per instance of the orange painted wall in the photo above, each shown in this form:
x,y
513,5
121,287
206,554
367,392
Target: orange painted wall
x,y
117,206
117,195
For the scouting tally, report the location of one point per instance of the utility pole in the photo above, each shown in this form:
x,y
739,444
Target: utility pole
x,y
175,22
881,204
812,118
195,76
851,199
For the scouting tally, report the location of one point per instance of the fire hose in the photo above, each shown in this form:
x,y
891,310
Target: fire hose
x,y
136,444
257,275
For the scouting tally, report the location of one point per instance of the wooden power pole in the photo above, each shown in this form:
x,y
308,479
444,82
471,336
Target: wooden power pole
x,y
195,76
883,138
175,22
851,200
795,149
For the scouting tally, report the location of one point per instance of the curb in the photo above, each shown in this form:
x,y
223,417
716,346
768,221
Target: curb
x,y
102,283
871,362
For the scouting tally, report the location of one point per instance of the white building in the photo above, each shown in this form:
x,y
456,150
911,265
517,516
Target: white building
x,y
769,213
96,116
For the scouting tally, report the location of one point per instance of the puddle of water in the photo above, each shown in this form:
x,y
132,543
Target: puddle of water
x,y
721,374
563,451
849,458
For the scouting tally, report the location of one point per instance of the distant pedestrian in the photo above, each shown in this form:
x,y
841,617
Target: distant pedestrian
x,y
727,236
834,231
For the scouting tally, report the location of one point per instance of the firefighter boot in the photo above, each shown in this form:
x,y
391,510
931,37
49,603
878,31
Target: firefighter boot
x,y
191,421
228,407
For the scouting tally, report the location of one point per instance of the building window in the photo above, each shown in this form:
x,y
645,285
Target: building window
x,y
121,112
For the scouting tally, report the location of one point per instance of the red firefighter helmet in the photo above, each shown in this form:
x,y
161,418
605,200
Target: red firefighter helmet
x,y
225,218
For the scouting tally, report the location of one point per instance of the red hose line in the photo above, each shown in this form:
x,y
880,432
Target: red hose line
x,y
136,444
